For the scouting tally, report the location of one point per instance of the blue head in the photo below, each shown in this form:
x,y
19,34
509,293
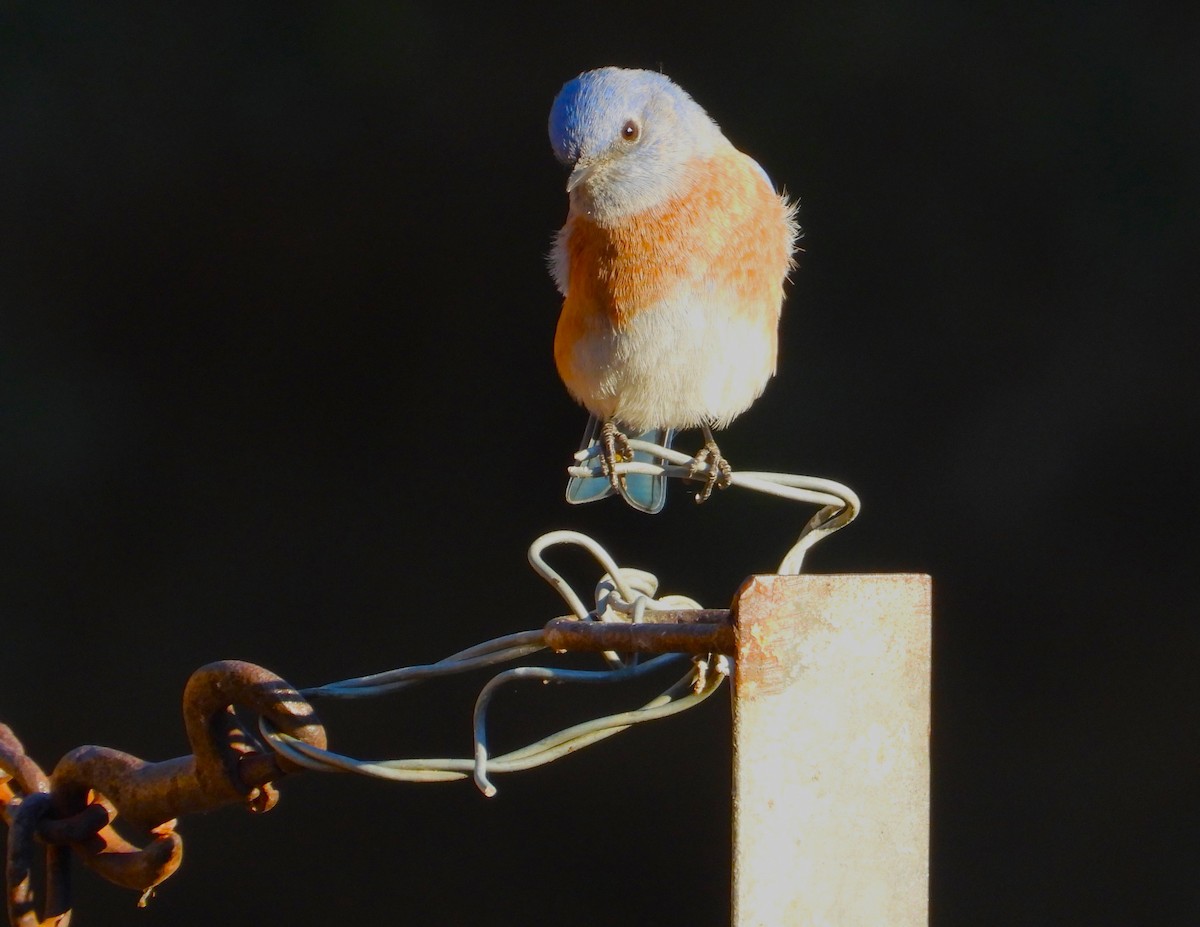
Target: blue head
x,y
629,137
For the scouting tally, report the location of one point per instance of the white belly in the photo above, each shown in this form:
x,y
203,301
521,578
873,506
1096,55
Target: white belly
x,y
682,364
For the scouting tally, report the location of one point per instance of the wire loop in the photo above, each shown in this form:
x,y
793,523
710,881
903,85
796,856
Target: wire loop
x,y
840,504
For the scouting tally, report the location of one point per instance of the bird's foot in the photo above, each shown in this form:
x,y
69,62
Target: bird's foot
x,y
718,474
614,449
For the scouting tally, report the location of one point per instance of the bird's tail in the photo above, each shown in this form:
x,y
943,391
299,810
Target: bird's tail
x,y
644,492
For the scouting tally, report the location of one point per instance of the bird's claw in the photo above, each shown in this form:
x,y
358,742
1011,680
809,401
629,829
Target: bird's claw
x,y
614,449
711,466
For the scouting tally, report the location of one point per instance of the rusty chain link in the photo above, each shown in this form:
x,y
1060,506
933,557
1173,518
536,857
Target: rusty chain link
x,y
73,809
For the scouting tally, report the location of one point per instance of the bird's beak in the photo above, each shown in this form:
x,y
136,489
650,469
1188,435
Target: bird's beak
x,y
584,168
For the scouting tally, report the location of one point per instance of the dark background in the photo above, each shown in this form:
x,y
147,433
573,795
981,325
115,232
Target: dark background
x,y
276,383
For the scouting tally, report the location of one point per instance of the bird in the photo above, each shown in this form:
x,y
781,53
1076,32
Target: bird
x,y
671,263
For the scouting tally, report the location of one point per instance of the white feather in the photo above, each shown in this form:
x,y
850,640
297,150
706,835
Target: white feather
x,y
687,363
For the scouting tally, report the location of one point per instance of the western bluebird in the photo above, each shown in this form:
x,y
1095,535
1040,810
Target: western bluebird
x,y
671,264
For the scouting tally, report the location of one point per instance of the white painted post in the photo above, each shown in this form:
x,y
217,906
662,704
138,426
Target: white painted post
x,y
831,751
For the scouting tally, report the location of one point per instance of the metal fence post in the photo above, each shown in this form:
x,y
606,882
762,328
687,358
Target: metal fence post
x,y
831,751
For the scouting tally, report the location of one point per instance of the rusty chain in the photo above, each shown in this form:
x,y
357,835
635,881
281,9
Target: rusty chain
x,y
73,809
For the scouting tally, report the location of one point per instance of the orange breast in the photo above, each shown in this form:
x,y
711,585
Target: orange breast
x,y
729,232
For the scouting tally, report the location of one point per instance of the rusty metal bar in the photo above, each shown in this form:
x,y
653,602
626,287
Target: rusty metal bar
x,y
831,751
696,630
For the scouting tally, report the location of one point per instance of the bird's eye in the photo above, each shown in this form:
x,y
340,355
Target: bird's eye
x,y
630,131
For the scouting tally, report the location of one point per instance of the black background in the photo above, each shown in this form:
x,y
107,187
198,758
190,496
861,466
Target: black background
x,y
276,383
